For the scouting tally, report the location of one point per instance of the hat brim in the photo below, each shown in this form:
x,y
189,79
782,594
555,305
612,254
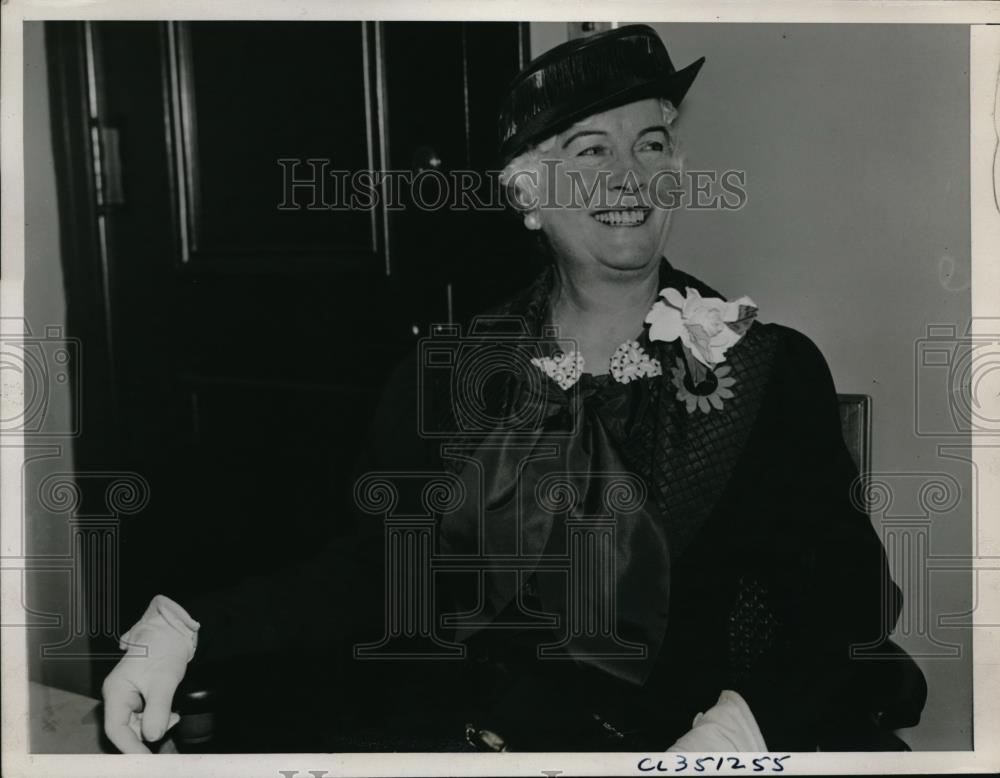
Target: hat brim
x,y
673,87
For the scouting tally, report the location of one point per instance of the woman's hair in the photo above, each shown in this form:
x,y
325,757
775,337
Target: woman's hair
x,y
522,190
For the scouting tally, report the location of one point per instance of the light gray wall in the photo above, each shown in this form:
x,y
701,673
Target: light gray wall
x,y
855,143
47,533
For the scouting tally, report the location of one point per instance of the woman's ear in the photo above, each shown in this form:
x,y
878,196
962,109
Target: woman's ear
x,y
523,179
523,197
523,190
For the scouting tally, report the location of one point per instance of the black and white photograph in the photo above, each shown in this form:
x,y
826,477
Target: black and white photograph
x,y
420,390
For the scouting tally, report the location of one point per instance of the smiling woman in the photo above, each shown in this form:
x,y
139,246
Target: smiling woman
x,y
625,499
612,168
594,192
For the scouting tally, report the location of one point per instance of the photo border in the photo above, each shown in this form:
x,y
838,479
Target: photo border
x,y
985,225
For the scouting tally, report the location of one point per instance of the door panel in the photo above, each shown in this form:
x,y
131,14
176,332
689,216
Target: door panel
x,y
249,95
249,342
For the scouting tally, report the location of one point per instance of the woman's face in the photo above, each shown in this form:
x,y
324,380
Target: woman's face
x,y
599,171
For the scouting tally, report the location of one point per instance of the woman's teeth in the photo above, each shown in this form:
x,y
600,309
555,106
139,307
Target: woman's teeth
x,y
631,218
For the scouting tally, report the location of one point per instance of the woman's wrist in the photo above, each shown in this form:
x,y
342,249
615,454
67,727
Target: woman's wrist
x,y
729,725
165,613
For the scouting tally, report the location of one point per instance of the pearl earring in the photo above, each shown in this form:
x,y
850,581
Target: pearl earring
x,y
532,220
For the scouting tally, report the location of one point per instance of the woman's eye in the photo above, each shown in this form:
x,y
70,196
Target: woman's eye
x,y
591,151
653,145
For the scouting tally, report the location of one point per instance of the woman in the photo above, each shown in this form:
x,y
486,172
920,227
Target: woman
x,y
736,573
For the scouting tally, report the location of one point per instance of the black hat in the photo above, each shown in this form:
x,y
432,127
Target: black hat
x,y
586,76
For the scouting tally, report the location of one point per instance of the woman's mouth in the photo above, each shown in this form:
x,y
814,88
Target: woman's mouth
x,y
623,217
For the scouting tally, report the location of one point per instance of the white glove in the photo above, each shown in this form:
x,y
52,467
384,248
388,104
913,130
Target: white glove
x,y
139,692
728,726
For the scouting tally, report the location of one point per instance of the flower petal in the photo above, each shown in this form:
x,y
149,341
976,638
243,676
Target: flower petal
x,y
703,405
692,302
700,343
724,393
665,323
722,343
715,400
672,296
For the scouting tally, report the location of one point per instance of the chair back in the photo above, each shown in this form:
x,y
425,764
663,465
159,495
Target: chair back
x,y
856,423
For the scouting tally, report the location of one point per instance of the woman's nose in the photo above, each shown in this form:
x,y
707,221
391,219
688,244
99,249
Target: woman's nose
x,y
627,176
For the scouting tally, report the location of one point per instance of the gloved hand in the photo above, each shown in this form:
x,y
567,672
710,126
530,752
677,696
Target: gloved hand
x,y
139,691
728,726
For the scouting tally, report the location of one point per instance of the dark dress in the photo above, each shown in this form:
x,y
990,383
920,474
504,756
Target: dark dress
x,y
747,565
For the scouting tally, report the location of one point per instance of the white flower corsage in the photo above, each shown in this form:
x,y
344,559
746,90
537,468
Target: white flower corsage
x,y
707,326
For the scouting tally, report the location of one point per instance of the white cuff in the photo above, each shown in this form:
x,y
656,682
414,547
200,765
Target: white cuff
x,y
163,611
729,725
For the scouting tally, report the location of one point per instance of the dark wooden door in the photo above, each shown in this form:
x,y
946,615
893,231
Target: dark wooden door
x,y
238,338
